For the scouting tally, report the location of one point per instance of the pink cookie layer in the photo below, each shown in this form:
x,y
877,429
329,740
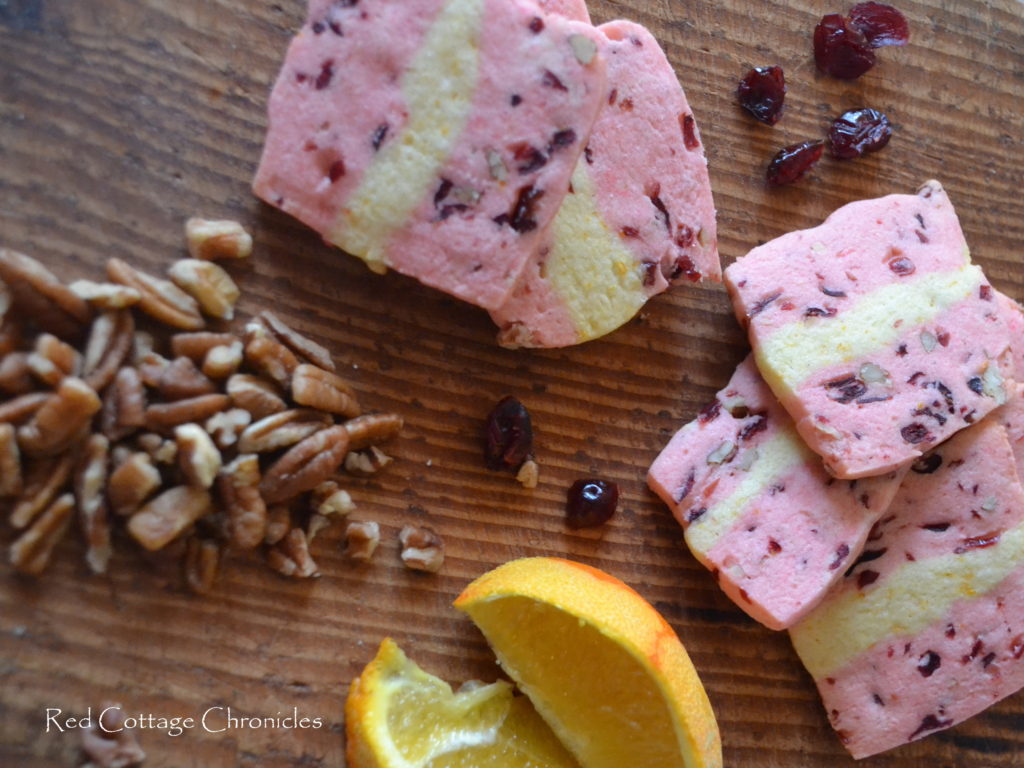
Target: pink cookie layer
x,y
571,9
651,189
788,533
339,103
961,502
816,295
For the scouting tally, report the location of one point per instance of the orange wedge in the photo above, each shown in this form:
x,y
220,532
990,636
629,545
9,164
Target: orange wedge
x,y
599,663
398,716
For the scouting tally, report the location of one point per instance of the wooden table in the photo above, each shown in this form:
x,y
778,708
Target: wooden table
x,y
120,118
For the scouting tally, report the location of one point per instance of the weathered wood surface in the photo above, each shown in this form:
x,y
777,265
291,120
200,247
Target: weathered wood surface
x,y
120,118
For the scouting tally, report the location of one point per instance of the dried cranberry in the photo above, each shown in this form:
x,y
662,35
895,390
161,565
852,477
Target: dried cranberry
x,y
762,92
520,218
689,128
928,663
379,134
551,80
927,464
508,435
336,171
663,213
857,132
590,503
880,24
536,24
930,723
841,50
563,138
326,73
792,162
914,432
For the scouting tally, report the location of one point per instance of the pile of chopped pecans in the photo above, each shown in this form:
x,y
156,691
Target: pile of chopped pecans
x,y
233,442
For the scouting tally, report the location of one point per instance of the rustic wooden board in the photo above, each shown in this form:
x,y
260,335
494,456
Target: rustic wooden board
x,y
120,118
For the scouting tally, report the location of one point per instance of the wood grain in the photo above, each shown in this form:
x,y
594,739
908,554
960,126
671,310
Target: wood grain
x,y
121,118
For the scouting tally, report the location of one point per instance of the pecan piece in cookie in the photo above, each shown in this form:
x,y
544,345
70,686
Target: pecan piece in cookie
x,y
305,465
161,299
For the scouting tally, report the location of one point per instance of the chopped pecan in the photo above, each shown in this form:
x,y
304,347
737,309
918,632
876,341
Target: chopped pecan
x,y
164,416
198,457
202,556
221,362
529,474
108,744
181,380
422,548
372,429
328,499
194,346
91,500
290,556
10,462
305,465
10,334
110,342
161,299
16,374
124,405
142,345
315,524
59,422
170,514
36,293
131,483
317,388
105,295
268,356
53,359
208,284
361,539
254,395
282,429
297,343
22,408
152,367
366,462
225,427
30,553
161,450
239,486
5,302
279,522
44,479
213,240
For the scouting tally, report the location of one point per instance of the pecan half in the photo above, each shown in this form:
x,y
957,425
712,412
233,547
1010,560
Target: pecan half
x,y
22,408
254,395
59,422
372,429
38,294
361,539
208,284
279,522
305,465
181,380
297,343
52,360
225,427
239,486
44,479
281,430
221,362
366,462
217,239
105,295
131,483
422,548
198,457
16,374
268,356
164,416
202,557
317,388
290,556
110,340
170,514
194,346
161,299
30,553
91,500
10,462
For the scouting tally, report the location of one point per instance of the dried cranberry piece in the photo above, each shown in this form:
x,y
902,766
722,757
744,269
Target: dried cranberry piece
x,y
336,171
689,128
762,92
520,218
927,464
564,138
792,162
591,502
379,134
508,435
326,73
880,24
536,24
551,80
914,432
858,131
928,663
841,50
